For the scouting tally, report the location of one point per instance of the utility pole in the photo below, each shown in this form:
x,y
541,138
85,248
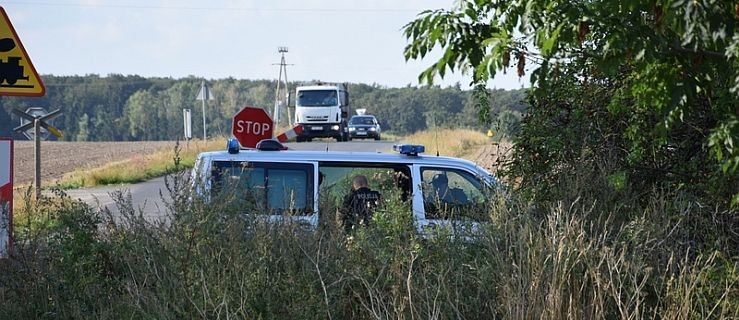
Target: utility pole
x,y
283,69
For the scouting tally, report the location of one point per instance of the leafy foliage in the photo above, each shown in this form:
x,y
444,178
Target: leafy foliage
x,y
664,70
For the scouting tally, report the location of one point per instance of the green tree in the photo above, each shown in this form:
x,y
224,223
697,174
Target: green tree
x,y
83,128
142,111
666,71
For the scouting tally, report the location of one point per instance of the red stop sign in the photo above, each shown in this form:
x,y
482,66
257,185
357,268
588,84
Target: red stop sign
x,y
251,125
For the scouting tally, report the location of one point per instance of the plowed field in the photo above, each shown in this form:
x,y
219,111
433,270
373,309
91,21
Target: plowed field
x,y
60,157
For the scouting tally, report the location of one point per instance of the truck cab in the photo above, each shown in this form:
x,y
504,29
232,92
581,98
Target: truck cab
x,y
306,186
322,110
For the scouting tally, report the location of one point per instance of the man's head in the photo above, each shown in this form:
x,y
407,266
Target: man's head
x,y
439,181
359,181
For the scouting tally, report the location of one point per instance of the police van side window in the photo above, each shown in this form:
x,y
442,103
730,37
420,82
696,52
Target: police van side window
x,y
452,194
265,188
335,181
287,188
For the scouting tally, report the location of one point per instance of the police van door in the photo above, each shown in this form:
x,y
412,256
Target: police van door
x,y
447,197
278,190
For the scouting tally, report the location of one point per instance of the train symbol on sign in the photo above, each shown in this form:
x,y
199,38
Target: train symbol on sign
x,y
10,71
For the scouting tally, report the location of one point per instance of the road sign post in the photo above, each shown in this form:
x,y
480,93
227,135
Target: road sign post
x,y
204,95
187,117
38,121
251,125
6,196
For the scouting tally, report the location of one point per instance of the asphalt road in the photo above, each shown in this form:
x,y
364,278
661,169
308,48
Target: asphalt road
x,y
149,197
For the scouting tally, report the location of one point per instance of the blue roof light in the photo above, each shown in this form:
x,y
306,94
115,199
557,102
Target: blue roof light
x,y
233,146
409,149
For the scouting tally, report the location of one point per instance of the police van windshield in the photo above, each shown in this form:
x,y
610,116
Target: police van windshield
x,y
453,194
317,98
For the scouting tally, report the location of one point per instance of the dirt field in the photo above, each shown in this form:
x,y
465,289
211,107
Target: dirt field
x,y
60,157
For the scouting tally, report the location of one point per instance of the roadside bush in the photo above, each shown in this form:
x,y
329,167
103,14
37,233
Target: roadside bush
x,y
576,259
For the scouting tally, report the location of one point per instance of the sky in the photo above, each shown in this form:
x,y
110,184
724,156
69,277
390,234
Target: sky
x,y
328,40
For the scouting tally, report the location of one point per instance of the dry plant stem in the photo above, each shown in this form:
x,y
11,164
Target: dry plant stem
x,y
318,271
408,283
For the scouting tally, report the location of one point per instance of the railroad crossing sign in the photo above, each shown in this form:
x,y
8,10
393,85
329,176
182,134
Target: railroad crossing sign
x,y
37,122
251,125
18,77
31,114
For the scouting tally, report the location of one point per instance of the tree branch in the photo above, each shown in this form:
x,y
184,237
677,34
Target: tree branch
x,y
707,53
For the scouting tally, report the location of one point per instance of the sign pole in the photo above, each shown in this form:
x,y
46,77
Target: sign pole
x,y
188,126
37,152
204,94
205,137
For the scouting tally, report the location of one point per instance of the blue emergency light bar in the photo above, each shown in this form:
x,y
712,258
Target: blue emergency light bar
x,y
409,149
233,146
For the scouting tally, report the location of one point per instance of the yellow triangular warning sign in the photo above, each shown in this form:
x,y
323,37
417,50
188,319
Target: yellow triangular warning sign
x,y
18,77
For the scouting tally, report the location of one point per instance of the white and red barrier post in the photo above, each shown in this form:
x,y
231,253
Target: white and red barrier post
x,y
6,196
292,133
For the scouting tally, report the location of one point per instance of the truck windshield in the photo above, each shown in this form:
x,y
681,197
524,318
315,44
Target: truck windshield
x,y
317,98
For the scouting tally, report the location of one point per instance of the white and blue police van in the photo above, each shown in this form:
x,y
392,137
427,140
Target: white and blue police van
x,y
306,186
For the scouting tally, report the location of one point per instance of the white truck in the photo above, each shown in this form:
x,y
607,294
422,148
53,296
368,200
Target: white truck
x,y
323,110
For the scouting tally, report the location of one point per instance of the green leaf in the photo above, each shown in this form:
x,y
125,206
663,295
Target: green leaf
x,y
549,43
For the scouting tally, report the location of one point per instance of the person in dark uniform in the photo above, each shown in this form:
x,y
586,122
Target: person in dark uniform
x,y
443,193
357,206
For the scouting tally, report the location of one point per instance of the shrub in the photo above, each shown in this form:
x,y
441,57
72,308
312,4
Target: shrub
x,y
206,259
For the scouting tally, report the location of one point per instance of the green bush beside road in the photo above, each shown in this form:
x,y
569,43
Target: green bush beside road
x,y
576,259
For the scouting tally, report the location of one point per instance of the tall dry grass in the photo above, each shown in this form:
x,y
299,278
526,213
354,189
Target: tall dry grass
x,y
573,260
448,142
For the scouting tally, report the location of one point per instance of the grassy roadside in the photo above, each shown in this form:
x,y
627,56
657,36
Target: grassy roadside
x,y
139,168
448,142
567,260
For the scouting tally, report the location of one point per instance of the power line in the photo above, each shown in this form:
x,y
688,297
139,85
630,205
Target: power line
x,y
243,9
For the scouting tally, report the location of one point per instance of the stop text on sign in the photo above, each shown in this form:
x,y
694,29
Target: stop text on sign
x,y
252,127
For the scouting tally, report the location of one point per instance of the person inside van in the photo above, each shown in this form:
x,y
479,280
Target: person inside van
x,y
444,194
356,209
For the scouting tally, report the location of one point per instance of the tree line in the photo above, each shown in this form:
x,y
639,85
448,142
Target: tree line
x,y
133,108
